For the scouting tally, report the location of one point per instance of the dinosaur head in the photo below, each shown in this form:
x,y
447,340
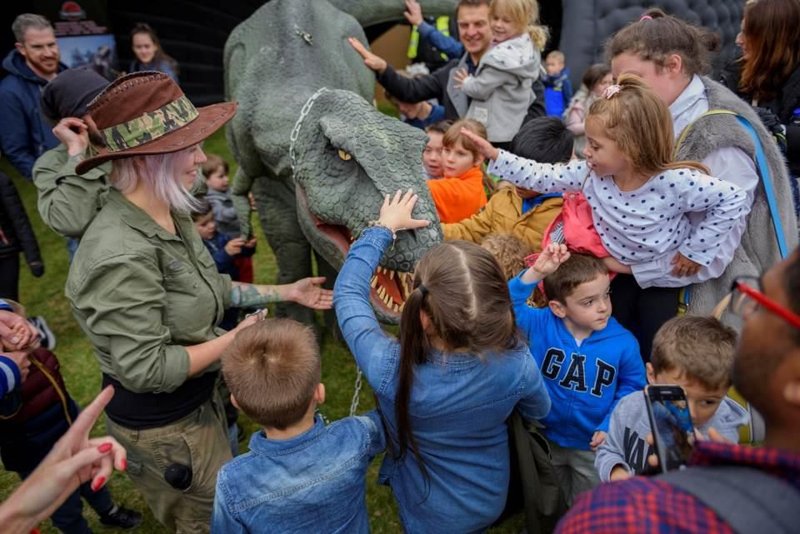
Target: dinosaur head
x,y
346,156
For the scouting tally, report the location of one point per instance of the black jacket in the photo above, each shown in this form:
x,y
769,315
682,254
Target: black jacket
x,y
16,233
434,85
782,106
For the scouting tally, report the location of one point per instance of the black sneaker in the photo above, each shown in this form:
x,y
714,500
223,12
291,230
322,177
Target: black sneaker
x,y
121,518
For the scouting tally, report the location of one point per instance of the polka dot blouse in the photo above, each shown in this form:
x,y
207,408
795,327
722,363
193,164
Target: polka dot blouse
x,y
648,223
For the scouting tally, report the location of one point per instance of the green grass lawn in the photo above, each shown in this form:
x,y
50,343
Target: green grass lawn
x,y
45,296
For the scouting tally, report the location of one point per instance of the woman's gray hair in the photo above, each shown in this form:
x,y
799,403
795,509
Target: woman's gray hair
x,y
158,174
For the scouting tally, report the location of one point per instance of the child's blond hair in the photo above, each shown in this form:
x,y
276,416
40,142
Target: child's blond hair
x,y
272,369
639,122
509,251
524,13
557,55
701,348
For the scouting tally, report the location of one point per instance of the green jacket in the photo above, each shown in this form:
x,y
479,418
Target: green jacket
x,y
68,201
142,295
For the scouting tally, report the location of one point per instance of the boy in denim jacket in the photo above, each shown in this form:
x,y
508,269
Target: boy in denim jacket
x,y
299,475
587,359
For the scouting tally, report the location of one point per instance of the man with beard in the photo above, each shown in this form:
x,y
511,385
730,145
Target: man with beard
x,y
767,374
24,134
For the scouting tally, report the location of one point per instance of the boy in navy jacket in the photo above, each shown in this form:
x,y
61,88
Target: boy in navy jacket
x,y
588,360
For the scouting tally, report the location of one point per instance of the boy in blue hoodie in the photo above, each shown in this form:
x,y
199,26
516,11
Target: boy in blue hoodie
x,y
697,354
557,85
588,360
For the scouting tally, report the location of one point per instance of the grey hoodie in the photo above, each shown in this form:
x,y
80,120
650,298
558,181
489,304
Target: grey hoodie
x,y
501,89
625,444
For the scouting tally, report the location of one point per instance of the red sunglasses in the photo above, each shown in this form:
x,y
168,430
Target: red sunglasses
x,y
739,304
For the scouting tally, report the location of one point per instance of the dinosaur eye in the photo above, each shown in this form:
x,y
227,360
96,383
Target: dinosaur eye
x,y
344,155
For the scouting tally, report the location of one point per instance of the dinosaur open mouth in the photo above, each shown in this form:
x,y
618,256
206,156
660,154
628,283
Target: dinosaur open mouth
x,y
388,288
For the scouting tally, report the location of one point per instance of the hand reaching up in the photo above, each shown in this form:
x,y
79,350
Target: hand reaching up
x,y
396,212
413,12
548,261
484,146
373,61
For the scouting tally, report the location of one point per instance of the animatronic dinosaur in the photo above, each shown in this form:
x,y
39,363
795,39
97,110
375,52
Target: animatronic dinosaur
x,y
274,61
346,156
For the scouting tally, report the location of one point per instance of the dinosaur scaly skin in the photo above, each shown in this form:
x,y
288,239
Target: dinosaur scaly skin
x,y
347,156
274,61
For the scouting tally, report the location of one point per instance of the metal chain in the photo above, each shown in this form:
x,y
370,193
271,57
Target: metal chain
x,y
297,125
356,392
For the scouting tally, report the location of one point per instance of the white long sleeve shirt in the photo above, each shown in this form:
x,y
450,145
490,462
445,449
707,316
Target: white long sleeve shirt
x,y
647,226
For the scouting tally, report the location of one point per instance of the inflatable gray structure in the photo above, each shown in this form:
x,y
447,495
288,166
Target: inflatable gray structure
x,y
587,25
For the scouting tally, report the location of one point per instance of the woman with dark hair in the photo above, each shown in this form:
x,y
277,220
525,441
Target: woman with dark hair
x,y
770,68
446,388
149,54
672,57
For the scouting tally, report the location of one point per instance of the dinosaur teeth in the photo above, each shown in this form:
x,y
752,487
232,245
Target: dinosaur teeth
x,y
374,282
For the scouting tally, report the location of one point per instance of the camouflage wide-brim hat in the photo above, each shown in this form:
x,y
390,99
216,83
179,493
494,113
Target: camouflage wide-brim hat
x,y
146,113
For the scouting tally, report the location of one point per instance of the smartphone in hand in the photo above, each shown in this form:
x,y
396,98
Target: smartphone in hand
x,y
671,424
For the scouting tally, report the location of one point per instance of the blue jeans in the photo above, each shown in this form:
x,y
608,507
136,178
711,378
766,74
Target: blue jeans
x,y
72,247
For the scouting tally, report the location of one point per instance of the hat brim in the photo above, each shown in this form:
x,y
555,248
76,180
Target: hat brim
x,y
210,119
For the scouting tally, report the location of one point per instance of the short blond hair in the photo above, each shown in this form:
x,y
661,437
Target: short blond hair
x,y
509,251
272,369
702,348
557,55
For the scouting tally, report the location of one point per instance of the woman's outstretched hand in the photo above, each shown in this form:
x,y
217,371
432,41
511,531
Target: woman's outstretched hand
x,y
396,212
484,146
310,293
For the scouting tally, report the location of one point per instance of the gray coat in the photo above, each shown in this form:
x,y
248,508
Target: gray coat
x,y
758,250
501,87
224,212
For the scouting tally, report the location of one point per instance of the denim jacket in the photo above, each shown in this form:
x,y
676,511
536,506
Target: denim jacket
x,y
458,408
313,482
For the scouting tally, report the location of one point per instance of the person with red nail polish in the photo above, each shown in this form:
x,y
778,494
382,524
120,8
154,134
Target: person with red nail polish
x,y
75,462
32,418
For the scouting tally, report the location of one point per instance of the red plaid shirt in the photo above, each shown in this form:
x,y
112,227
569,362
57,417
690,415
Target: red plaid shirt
x,y
644,504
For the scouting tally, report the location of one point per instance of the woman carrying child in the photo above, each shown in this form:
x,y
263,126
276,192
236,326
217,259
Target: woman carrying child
x,y
501,88
671,57
461,193
640,200
445,389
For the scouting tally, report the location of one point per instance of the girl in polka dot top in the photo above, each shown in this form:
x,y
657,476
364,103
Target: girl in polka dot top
x,y
640,198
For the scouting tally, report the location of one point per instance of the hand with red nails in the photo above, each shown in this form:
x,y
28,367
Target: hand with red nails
x,y
75,458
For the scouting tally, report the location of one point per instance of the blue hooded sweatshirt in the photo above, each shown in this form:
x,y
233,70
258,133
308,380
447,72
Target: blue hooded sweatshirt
x,y
557,93
25,133
584,381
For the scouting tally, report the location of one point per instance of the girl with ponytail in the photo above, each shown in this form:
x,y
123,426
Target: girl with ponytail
x,y
446,387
